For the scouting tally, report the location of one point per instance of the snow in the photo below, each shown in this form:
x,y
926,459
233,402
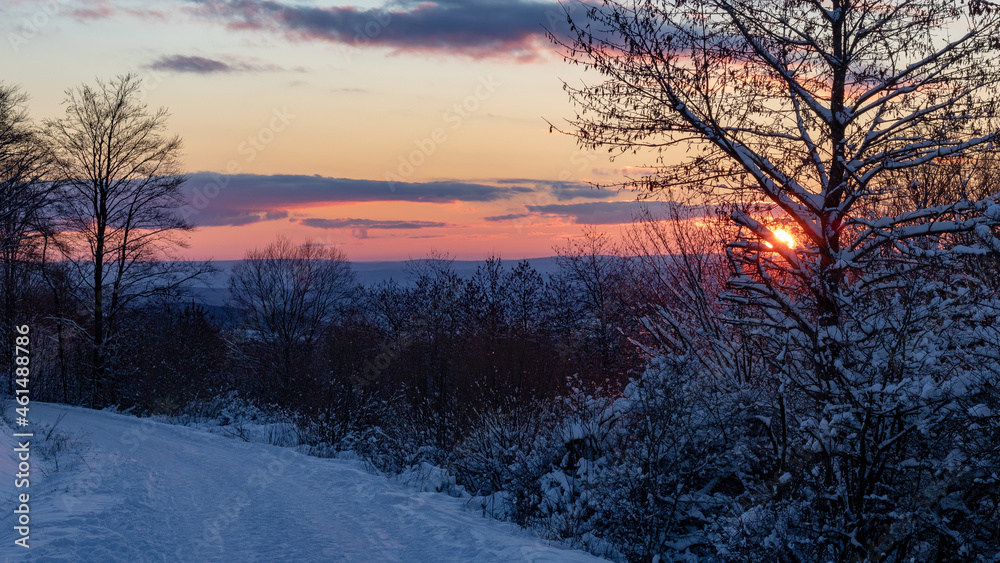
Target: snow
x,y
980,411
145,491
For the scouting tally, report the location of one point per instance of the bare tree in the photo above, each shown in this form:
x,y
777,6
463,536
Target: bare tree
x,y
593,266
289,295
526,292
802,115
120,193
681,273
24,197
24,163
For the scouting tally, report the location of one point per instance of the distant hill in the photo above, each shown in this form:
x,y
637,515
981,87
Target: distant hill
x,y
214,291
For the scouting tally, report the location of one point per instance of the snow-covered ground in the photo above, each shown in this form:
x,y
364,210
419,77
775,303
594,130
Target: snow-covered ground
x,y
144,491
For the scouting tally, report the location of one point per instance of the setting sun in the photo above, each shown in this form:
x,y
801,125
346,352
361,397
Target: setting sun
x,y
784,237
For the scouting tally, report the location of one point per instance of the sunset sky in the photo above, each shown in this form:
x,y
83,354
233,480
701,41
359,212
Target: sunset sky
x,y
390,129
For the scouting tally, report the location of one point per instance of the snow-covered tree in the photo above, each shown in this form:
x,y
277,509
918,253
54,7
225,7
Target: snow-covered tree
x,y
879,341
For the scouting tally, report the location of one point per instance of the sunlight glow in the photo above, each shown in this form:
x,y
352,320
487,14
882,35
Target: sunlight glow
x,y
784,237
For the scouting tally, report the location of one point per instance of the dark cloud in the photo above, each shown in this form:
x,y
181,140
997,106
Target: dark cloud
x,y
218,199
181,63
359,227
204,65
582,191
508,217
275,215
563,190
349,223
605,212
231,217
474,28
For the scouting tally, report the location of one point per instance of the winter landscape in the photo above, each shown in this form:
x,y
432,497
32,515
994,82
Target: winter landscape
x,y
472,280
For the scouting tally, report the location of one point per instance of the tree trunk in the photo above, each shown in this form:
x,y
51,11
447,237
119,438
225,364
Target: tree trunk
x,y
97,373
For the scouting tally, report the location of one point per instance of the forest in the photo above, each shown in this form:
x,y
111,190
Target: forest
x,y
798,362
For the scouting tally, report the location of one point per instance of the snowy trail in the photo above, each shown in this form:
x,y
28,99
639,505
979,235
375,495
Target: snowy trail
x,y
155,492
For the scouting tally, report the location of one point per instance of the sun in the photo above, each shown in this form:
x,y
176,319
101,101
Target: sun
x,y
784,237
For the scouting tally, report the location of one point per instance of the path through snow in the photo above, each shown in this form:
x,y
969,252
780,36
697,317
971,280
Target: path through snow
x,y
146,491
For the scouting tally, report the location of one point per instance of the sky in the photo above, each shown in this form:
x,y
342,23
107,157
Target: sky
x,y
388,128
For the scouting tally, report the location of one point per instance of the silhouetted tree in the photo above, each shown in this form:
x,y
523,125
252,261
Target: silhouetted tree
x,y
119,196
289,294
598,274
24,197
